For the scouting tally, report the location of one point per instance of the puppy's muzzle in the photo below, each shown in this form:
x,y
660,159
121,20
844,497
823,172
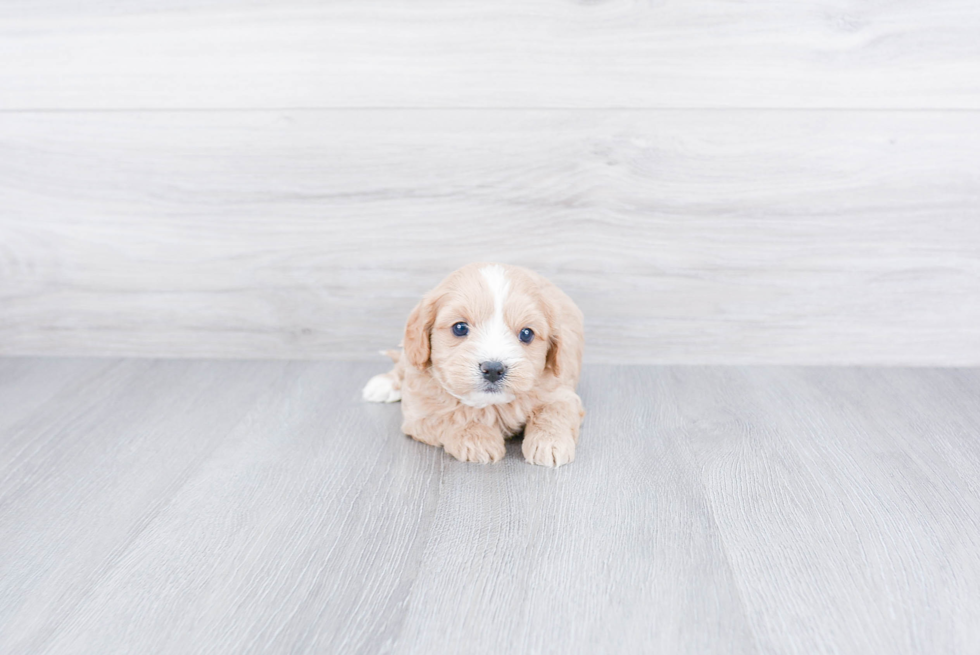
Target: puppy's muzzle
x,y
492,371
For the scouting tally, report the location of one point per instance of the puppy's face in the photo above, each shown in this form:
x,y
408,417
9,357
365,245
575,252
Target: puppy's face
x,y
487,334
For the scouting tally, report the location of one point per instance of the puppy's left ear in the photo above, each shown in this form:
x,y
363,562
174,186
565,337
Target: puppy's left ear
x,y
552,361
418,332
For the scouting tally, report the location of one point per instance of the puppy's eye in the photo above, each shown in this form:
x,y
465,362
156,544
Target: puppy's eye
x,y
461,329
526,335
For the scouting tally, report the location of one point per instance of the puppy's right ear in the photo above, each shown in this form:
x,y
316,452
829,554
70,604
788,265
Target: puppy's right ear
x,y
418,332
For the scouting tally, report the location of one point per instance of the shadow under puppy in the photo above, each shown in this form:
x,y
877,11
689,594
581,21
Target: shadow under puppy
x,y
492,350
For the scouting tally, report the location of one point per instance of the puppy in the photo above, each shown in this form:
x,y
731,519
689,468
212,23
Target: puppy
x,y
490,351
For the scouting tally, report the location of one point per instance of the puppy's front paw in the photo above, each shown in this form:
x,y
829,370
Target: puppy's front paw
x,y
546,448
381,389
477,443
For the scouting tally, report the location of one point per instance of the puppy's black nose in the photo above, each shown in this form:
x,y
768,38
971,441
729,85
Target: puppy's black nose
x,y
492,371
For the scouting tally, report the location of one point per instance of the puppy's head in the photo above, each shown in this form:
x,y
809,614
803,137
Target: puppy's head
x,y
487,332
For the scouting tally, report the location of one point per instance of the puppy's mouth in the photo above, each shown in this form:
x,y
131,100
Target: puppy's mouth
x,y
493,387
487,393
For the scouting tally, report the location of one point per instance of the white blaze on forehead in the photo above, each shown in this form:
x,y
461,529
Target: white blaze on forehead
x,y
496,279
493,340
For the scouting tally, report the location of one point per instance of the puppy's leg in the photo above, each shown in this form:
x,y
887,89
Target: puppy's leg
x,y
427,430
552,432
386,387
472,442
383,388
475,442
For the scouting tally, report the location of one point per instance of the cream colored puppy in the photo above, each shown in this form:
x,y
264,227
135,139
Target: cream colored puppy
x,y
490,351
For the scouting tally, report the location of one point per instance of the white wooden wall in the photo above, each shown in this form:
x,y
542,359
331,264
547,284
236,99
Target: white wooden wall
x,y
712,182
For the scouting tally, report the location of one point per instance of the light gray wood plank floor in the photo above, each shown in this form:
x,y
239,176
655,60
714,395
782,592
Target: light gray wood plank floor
x,y
238,506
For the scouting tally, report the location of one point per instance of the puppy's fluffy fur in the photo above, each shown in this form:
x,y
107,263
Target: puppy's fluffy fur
x,y
448,401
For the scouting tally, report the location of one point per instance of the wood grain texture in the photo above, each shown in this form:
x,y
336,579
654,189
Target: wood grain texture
x,y
240,507
685,236
26,384
57,54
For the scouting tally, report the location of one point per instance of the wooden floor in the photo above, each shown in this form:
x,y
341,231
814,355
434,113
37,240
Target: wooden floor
x,y
261,507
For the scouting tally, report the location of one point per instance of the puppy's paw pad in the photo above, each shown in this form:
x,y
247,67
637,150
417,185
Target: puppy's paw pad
x,y
483,450
549,450
381,389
